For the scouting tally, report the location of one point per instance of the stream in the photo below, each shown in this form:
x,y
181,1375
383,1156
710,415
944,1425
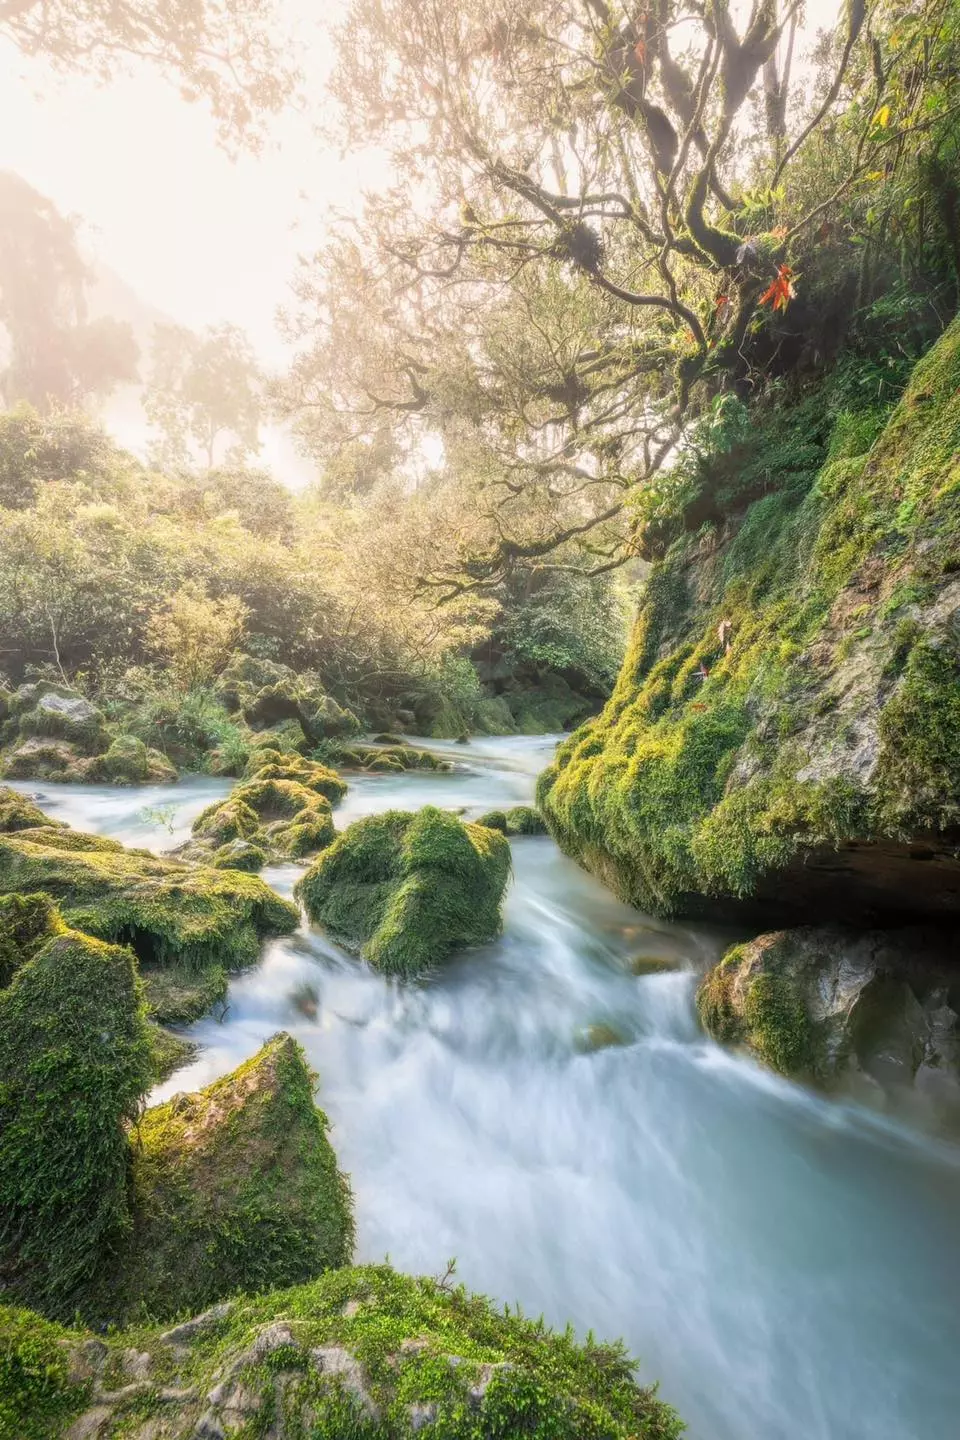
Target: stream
x,y
787,1266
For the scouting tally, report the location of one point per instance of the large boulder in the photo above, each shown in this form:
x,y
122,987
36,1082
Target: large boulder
x,y
784,737
829,1004
362,1353
404,890
188,924
74,1063
235,1188
59,713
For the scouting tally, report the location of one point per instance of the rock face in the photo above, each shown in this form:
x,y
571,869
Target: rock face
x,y
74,1062
53,733
234,1188
405,889
187,924
830,1004
785,731
281,811
362,1353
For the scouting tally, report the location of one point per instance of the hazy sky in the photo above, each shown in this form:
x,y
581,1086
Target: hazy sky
x,y
197,235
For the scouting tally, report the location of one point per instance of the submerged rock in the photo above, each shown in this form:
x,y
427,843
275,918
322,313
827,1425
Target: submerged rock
x,y
235,1188
827,1003
784,737
405,889
360,1353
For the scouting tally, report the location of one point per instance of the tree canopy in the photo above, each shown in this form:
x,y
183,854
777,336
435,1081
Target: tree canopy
x,y
602,218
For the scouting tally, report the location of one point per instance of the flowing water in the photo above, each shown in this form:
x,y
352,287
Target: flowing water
x,y
789,1267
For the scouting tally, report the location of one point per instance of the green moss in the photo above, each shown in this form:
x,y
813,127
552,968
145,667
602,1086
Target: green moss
x,y
178,994
520,820
168,1052
729,747
311,774
38,1399
129,762
368,1354
405,889
235,1188
74,1062
755,998
170,912
26,923
19,813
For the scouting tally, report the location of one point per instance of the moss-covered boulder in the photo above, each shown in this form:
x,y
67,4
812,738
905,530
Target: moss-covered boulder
x,y
519,820
282,811
786,726
234,1188
128,761
359,1354
826,1004
267,694
404,890
187,924
74,1063
51,732
26,923
18,812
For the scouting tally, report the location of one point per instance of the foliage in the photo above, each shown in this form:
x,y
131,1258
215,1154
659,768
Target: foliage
x,y
195,635
74,1062
787,709
599,222
57,356
235,1188
405,889
228,58
200,390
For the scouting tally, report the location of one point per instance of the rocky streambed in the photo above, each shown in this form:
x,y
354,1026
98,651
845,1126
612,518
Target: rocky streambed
x,y
549,1111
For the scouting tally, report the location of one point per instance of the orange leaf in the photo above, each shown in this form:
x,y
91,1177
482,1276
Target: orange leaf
x,y
640,50
781,291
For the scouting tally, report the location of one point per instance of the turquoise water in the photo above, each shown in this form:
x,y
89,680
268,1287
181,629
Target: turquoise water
x,y
788,1267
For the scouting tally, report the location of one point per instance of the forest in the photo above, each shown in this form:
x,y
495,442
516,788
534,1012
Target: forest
x,y
515,705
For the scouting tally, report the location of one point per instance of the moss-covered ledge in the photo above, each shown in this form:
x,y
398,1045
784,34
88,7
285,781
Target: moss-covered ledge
x,y
362,1353
792,690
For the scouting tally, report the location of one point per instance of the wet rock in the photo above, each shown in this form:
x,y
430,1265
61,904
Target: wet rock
x,y
826,1003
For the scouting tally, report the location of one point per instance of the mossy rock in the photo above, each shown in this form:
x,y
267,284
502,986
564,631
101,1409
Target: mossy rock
x,y
405,889
17,812
824,1003
170,912
269,694
26,923
58,713
519,820
792,686
74,1063
282,817
168,1052
235,1188
128,761
239,855
358,1354
42,759
181,994
311,774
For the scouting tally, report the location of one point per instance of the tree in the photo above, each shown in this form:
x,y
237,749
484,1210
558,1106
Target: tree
x,y
601,217
196,635
56,355
202,390
228,55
